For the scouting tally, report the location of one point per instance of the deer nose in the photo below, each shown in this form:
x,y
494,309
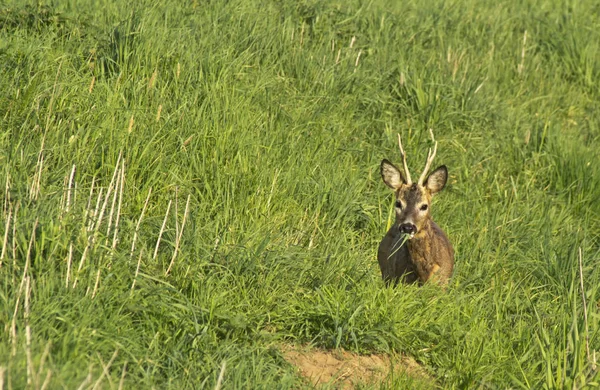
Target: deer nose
x,y
408,228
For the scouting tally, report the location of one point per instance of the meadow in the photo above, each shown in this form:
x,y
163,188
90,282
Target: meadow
x,y
188,186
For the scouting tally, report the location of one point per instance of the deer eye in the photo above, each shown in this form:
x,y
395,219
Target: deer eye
x,y
423,207
398,204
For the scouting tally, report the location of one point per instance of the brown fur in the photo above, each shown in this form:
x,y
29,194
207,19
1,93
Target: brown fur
x,y
429,254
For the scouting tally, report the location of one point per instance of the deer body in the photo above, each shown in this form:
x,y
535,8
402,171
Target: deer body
x,y
415,249
419,259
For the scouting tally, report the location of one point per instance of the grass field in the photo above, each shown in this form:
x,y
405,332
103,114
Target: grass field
x,y
189,185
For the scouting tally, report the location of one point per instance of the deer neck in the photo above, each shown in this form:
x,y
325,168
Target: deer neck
x,y
420,248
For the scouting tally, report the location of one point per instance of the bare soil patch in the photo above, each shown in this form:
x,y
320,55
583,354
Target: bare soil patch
x,y
342,369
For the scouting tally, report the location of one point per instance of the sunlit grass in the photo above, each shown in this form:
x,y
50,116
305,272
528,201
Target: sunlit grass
x,y
272,119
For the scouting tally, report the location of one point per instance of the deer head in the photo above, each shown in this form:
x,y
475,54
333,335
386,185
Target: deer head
x,y
413,200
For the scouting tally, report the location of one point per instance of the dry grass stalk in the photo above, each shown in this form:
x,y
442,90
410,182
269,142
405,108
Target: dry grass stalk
x,y
5,241
158,112
130,127
178,237
92,219
114,243
139,222
112,207
46,381
585,313
88,378
176,211
13,328
123,372
521,66
273,183
96,284
152,79
30,370
91,88
187,142
221,375
111,187
43,360
69,189
2,371
162,229
137,271
81,262
34,191
89,204
6,203
357,58
105,370
14,239
69,263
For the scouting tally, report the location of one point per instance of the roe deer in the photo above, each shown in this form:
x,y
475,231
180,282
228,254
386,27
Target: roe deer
x,y
415,249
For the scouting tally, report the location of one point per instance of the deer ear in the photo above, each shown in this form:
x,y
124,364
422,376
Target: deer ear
x,y
436,181
391,175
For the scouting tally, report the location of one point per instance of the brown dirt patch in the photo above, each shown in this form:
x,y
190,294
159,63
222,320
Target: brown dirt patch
x,y
344,370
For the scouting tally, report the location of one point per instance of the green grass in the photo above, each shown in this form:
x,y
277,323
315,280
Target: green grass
x,y
265,115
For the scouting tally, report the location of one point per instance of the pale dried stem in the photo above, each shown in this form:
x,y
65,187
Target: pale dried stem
x,y
92,222
137,271
105,368
13,327
69,263
96,284
404,164
2,371
69,188
30,370
178,239
114,243
162,229
87,379
112,207
81,262
46,381
14,238
5,241
139,222
176,211
273,183
585,314
43,359
34,191
357,58
430,157
89,204
6,204
521,66
221,375
111,186
123,372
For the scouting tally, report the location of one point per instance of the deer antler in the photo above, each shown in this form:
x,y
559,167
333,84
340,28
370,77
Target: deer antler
x,y
406,172
430,157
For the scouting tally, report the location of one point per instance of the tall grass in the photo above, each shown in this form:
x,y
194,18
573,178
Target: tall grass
x,y
271,118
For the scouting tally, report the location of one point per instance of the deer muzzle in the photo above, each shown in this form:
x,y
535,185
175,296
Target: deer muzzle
x,y
408,229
